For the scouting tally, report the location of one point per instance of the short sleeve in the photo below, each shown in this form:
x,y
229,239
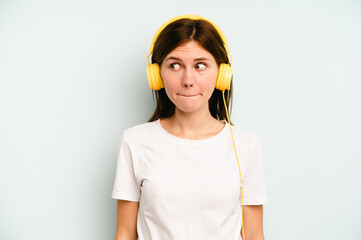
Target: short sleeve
x,y
254,190
125,184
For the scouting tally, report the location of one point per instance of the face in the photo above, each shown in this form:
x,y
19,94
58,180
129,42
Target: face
x,y
189,74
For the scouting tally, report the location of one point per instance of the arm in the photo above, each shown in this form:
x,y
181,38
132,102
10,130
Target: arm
x,y
253,222
127,213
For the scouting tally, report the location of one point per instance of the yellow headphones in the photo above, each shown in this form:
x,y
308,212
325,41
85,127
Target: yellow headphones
x,y
224,71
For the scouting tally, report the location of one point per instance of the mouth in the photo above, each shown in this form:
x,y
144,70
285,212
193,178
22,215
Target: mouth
x,y
188,95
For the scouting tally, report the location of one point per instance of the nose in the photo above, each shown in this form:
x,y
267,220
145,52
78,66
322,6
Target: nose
x,y
188,84
188,78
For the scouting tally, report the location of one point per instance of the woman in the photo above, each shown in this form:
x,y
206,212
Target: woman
x,y
177,175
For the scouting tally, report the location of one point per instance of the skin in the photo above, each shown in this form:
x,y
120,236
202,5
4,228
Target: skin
x,y
189,74
127,212
253,222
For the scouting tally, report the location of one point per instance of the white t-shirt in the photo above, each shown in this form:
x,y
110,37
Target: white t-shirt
x,y
188,189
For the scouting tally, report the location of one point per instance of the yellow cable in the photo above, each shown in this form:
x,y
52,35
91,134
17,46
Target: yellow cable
x,y
239,168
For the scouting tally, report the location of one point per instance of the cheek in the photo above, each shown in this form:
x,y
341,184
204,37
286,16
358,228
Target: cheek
x,y
213,78
164,77
169,83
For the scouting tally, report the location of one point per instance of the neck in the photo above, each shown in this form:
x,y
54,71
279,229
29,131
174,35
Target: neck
x,y
197,125
192,121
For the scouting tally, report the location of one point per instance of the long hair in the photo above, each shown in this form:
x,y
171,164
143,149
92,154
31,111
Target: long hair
x,y
176,34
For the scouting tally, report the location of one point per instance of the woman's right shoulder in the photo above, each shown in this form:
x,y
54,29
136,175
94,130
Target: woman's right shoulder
x,y
141,131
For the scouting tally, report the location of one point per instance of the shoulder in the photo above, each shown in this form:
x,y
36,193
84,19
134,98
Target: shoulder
x,y
245,138
245,134
140,132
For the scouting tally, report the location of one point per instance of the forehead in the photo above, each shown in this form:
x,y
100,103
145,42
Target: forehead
x,y
190,49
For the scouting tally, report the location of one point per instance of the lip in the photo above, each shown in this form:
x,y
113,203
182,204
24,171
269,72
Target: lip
x,y
188,95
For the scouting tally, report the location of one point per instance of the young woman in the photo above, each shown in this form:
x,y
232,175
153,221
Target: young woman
x,y
178,175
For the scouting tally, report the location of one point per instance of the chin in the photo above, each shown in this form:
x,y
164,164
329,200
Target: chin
x,y
192,108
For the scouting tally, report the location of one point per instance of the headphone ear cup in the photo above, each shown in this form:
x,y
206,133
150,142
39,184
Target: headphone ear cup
x,y
224,78
154,79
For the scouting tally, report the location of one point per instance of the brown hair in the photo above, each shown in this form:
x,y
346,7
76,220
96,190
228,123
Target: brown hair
x,y
176,34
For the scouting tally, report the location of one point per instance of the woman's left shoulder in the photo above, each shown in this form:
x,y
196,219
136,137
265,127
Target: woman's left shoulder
x,y
245,134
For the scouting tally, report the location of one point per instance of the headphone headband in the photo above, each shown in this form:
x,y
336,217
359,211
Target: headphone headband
x,y
192,17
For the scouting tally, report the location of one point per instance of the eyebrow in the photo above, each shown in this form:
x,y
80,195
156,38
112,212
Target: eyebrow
x,y
178,59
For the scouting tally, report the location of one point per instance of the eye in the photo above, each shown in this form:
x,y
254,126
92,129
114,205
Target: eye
x,y
200,66
175,66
